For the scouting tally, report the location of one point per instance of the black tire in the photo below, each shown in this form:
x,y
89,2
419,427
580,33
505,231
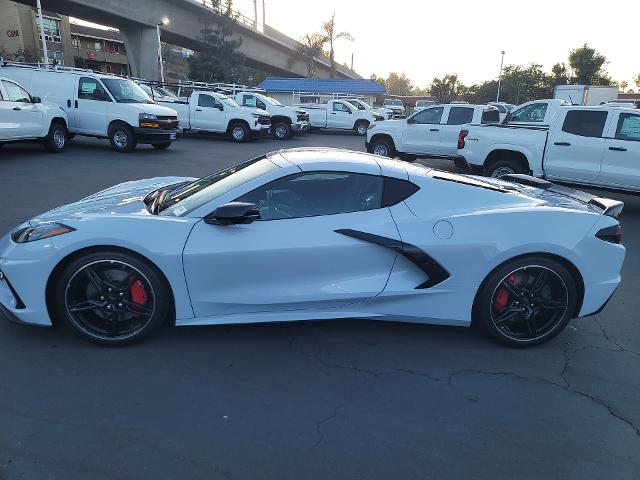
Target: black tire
x,y
383,147
503,167
111,298
281,130
56,139
239,132
527,301
161,146
122,138
361,127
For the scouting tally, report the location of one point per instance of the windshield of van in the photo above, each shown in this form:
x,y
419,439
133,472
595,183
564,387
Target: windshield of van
x,y
126,91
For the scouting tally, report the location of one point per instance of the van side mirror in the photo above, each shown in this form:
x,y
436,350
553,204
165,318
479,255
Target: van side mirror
x,y
507,118
233,213
410,120
219,107
36,100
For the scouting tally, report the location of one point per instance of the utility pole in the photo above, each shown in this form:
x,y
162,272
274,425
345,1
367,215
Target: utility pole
x,y
44,41
500,77
264,22
255,14
351,61
163,22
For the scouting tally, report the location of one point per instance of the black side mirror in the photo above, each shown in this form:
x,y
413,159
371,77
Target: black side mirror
x,y
506,118
410,120
36,100
220,107
233,213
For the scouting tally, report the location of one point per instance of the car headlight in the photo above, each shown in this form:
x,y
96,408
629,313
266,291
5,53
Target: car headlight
x,y
39,232
148,120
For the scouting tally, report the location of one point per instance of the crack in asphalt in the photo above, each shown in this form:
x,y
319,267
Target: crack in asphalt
x,y
324,420
611,340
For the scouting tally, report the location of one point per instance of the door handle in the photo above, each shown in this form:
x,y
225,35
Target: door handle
x,y
333,113
76,104
618,149
434,129
562,144
17,108
68,103
198,109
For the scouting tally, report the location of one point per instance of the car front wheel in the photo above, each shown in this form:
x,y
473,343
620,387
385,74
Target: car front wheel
x,y
56,139
383,148
361,128
112,298
122,138
527,301
281,131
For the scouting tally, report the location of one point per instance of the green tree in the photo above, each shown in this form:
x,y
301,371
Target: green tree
x,y
623,86
560,74
309,48
447,88
330,35
219,60
588,67
636,80
398,84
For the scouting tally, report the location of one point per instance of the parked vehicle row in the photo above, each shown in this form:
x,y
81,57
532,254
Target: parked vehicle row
x,y
431,132
285,121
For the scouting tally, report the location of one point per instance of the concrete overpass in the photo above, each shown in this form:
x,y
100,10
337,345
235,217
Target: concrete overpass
x,y
268,51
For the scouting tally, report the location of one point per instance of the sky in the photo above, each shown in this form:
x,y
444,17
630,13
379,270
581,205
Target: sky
x,y
425,38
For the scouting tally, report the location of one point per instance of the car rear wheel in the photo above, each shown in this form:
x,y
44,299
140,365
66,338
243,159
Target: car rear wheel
x,y
527,301
56,139
500,168
112,298
383,148
122,138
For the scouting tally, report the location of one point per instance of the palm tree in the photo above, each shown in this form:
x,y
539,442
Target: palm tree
x,y
309,47
330,36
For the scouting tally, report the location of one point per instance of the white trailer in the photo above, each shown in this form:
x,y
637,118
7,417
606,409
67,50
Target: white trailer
x,y
585,95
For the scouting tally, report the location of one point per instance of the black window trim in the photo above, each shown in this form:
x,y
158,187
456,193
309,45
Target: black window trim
x,y
604,125
473,111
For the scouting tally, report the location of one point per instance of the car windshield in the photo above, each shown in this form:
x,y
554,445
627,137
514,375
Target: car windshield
x,y
272,101
126,91
166,93
230,102
187,198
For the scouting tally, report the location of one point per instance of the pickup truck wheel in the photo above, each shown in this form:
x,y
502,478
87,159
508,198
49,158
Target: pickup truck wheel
x,y
161,146
56,139
383,148
361,128
122,138
281,131
239,133
500,168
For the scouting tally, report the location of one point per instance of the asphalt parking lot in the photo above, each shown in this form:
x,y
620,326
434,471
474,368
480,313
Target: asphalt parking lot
x,y
341,399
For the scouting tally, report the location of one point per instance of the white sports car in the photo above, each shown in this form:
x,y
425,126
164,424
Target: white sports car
x,y
310,234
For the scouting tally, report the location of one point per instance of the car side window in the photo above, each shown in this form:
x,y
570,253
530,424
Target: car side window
x,y
628,127
207,101
311,194
531,113
91,89
428,115
585,123
15,93
341,107
460,115
490,115
248,101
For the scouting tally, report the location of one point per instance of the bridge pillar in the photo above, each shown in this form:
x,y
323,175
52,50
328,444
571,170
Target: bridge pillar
x,y
142,50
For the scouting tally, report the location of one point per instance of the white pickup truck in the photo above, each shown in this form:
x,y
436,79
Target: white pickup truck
x,y
26,118
431,132
340,114
362,105
597,146
285,121
213,112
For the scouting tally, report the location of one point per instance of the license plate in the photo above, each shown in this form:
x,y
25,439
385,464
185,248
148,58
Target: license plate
x,y
172,136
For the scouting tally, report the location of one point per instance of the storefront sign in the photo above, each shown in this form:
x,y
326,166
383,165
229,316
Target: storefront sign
x,y
13,33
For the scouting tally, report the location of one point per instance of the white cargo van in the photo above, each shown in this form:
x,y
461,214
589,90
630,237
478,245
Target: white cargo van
x,y
102,106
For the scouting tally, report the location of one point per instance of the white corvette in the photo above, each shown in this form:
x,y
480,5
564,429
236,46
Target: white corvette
x,y
316,234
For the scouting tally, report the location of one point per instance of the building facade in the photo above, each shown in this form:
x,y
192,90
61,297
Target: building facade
x,y
99,50
20,35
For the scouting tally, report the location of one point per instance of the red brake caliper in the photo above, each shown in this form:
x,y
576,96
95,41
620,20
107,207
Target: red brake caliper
x,y
503,296
138,295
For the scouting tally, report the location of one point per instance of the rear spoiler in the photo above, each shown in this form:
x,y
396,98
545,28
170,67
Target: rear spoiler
x,y
611,208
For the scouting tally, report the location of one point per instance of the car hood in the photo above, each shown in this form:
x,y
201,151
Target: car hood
x,y
152,108
122,199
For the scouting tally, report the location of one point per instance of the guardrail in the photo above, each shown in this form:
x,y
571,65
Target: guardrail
x,y
220,9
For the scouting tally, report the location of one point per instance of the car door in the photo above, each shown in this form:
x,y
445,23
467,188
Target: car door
x,y
299,255
208,114
421,133
20,118
340,116
450,130
91,107
575,146
621,161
